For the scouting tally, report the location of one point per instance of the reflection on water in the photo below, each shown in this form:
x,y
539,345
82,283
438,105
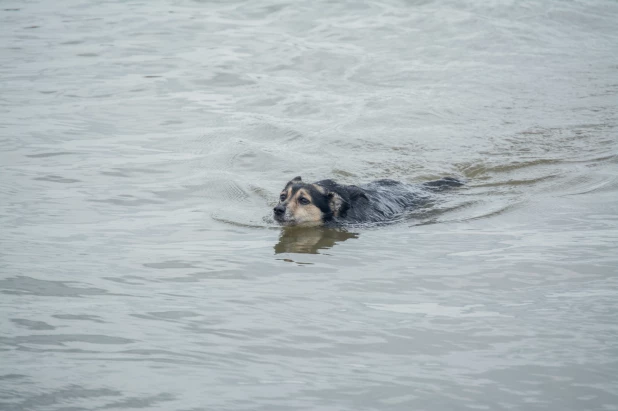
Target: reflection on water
x,y
309,240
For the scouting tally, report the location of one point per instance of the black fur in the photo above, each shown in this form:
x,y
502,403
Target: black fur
x,y
375,202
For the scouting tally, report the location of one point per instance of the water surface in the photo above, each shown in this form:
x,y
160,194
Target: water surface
x,y
143,145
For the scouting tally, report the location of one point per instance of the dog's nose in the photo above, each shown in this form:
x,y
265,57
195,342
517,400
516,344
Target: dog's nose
x,y
279,210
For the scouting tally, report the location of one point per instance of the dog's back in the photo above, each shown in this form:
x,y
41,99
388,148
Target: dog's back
x,y
387,200
327,202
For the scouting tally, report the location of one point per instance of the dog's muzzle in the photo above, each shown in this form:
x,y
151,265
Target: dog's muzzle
x,y
279,212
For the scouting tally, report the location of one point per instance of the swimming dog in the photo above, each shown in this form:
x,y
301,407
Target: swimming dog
x,y
329,203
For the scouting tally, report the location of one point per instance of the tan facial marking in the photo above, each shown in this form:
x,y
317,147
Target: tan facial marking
x,y
319,188
305,214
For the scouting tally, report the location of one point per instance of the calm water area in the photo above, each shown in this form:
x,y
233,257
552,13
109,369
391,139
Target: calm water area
x,y
144,144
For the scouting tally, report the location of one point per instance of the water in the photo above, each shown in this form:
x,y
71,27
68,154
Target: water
x,y
143,145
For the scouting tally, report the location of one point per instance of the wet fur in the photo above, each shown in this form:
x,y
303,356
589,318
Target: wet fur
x,y
331,203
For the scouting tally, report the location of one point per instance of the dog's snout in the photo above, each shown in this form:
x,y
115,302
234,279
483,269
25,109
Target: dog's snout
x,y
279,210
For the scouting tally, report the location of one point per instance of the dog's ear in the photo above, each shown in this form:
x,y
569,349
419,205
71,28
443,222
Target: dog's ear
x,y
295,180
336,203
356,193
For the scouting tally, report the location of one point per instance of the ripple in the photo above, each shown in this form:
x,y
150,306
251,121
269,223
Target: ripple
x,y
32,325
139,402
62,339
169,264
79,317
127,200
52,154
23,285
62,395
57,179
435,310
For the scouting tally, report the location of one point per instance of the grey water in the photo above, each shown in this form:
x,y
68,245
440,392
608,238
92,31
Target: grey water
x,y
144,144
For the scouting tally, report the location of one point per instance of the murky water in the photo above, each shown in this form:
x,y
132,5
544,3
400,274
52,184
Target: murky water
x,y
143,145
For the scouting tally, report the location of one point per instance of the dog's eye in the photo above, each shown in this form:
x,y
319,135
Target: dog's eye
x,y
303,201
282,197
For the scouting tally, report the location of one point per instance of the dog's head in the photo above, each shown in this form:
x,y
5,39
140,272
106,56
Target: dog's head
x,y
308,204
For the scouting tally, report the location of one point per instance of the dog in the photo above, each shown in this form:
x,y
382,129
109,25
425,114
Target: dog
x,y
327,203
